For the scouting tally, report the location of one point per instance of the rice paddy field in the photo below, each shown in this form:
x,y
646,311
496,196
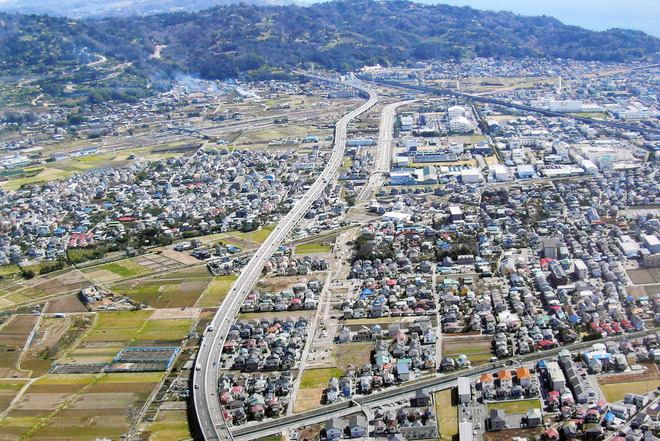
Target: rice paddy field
x,y
78,407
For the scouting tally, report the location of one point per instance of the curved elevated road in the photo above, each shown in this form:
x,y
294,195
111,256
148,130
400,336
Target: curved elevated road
x,y
383,154
205,399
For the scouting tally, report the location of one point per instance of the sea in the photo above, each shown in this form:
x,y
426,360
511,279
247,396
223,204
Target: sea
x,y
597,15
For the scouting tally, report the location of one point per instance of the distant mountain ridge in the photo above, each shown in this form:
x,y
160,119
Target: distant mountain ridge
x,y
266,41
80,9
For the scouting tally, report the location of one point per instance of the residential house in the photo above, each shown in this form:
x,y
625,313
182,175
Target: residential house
x,y
497,419
533,417
358,426
487,382
344,335
506,378
524,376
421,399
334,428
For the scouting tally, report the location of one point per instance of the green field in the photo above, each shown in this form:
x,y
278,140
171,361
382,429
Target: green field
x,y
163,332
111,332
447,415
216,291
258,236
617,391
127,268
316,378
516,406
9,270
313,248
130,377
165,293
170,426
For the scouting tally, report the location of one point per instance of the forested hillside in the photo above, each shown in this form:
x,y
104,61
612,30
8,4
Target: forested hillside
x,y
252,40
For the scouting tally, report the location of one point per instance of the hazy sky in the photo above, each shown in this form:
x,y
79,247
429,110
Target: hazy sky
x,y
597,15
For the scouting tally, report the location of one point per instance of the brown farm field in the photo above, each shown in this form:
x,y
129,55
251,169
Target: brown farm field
x,y
507,435
641,276
356,354
78,407
8,391
65,304
17,330
476,347
31,291
13,336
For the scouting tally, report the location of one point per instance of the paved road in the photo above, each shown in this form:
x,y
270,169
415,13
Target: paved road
x,y
206,404
384,151
273,426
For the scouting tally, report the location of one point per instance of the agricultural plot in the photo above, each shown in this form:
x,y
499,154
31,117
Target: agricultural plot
x,y
356,354
111,332
164,293
312,385
196,272
169,425
79,407
163,332
45,345
55,283
127,268
13,336
158,262
65,304
216,291
447,414
476,347
313,248
8,391
641,276
39,401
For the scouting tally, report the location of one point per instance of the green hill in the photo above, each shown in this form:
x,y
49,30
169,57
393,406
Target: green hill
x,y
243,39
